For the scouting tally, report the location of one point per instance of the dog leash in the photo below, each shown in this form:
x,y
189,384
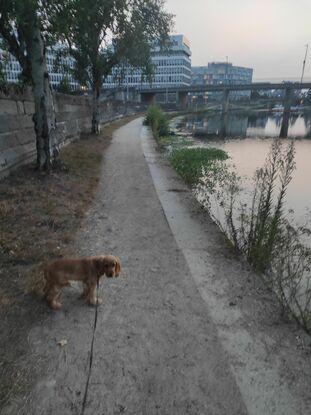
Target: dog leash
x,y
92,350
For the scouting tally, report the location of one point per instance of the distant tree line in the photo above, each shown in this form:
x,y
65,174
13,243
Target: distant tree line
x,y
98,34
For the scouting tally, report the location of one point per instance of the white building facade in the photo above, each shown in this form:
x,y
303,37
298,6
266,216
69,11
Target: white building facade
x,y
172,67
56,68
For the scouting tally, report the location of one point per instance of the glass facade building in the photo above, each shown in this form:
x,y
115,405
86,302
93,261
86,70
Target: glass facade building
x,y
222,73
218,73
172,67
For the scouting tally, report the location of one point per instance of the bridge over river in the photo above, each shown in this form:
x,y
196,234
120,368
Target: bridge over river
x,y
148,95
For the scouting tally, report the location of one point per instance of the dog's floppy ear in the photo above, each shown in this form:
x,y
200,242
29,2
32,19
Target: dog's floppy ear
x,y
100,265
118,267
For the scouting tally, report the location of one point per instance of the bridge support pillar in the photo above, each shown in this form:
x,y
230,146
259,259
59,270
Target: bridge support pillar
x,y
136,96
148,98
223,125
182,100
286,113
119,95
225,101
114,95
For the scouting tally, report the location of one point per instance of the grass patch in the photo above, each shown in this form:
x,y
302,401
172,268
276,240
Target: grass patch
x,y
188,162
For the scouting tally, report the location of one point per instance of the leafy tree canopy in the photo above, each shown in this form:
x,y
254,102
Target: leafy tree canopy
x,y
16,19
103,33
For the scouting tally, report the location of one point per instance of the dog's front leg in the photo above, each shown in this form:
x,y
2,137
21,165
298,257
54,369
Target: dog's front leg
x,y
92,297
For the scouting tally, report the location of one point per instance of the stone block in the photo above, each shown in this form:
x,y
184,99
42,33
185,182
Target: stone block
x,y
20,107
13,157
26,136
69,116
4,124
72,128
10,122
61,132
8,140
85,125
8,106
29,107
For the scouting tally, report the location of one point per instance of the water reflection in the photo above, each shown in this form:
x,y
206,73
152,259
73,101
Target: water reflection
x,y
242,126
247,140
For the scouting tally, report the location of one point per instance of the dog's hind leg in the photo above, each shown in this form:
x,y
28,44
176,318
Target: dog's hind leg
x,y
85,292
52,296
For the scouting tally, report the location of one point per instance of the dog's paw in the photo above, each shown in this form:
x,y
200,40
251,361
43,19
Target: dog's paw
x,y
55,305
95,301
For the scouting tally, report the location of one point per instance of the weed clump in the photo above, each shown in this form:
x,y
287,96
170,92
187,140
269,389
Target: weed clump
x,y
158,121
188,162
263,230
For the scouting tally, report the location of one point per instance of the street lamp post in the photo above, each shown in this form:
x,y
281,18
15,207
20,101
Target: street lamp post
x,y
304,63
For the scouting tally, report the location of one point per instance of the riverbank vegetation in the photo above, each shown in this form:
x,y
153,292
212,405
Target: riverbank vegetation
x,y
158,121
188,162
174,141
263,230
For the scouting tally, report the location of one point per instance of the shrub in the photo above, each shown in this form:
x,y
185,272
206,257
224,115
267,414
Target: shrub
x,y
158,121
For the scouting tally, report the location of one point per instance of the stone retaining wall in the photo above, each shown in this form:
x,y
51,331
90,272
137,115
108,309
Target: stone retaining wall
x,y
73,114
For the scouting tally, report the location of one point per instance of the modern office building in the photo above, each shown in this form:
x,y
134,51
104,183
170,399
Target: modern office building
x,y
222,73
217,73
172,67
199,75
56,67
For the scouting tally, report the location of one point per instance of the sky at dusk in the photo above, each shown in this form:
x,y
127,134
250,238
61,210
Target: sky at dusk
x,y
266,35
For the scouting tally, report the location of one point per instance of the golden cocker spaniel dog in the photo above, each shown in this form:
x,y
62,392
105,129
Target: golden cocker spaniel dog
x,y
59,273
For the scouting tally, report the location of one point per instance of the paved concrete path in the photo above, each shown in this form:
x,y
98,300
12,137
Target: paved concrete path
x,y
163,341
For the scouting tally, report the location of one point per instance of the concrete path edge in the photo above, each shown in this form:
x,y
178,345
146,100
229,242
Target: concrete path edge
x,y
259,380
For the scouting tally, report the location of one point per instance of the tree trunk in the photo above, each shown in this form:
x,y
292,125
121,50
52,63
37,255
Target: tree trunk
x,y
95,109
44,118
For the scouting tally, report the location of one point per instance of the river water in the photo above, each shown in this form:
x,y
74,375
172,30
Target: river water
x,y
247,139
